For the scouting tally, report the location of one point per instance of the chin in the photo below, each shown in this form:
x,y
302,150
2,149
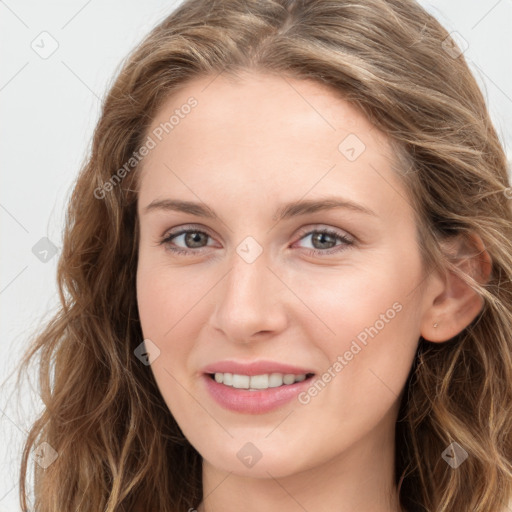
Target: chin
x,y
255,460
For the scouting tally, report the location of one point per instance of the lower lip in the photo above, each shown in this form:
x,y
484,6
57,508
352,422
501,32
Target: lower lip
x,y
253,402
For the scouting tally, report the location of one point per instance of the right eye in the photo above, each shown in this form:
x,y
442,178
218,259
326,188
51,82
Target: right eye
x,y
192,238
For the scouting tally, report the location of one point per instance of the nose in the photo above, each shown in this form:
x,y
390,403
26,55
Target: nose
x,y
250,302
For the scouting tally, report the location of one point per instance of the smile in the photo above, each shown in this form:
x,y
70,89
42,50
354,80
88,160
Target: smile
x,y
255,394
258,382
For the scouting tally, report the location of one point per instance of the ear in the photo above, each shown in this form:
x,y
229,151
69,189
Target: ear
x,y
455,304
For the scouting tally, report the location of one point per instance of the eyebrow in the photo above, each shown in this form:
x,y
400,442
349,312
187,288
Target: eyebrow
x,y
286,211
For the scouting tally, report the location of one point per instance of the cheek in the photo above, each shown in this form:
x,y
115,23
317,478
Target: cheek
x,y
344,302
152,301
173,306
165,297
167,313
366,325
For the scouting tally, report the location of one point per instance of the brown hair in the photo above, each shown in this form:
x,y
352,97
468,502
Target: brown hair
x,y
117,442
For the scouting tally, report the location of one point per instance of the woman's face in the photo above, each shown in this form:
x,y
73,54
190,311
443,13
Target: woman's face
x,y
257,170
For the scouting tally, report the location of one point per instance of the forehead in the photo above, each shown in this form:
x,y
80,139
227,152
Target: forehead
x,y
281,136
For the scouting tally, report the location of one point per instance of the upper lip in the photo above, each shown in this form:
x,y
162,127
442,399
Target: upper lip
x,y
254,368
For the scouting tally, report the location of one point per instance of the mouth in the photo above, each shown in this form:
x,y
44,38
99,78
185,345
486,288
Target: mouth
x,y
255,387
258,382
255,394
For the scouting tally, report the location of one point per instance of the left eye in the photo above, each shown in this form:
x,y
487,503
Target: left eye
x,y
193,239
326,236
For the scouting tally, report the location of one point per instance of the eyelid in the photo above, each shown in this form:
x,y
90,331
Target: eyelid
x,y
186,227
302,231
325,227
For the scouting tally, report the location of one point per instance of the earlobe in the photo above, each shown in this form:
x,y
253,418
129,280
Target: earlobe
x,y
453,308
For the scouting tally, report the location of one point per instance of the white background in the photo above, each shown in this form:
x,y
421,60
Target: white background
x,y
49,108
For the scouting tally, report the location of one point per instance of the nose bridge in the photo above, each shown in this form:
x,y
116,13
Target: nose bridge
x,y
249,300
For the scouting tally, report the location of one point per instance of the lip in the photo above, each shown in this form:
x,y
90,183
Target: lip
x,y
253,402
254,368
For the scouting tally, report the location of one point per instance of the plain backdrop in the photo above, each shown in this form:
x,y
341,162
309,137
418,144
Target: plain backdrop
x,y
58,59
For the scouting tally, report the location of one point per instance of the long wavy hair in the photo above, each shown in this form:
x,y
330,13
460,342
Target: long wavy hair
x,y
118,446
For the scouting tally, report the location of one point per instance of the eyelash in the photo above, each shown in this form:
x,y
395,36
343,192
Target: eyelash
x,y
346,242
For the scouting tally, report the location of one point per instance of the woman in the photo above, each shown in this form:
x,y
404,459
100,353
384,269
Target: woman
x,y
204,357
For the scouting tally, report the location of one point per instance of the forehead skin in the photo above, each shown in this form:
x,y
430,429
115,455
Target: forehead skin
x,y
293,127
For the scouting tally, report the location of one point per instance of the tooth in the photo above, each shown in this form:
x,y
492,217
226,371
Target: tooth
x,y
275,380
259,382
241,381
289,378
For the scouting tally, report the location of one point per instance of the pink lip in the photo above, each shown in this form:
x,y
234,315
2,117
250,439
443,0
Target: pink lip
x,y
253,402
254,368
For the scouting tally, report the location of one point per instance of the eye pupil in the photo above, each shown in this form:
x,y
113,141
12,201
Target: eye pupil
x,y
192,237
318,237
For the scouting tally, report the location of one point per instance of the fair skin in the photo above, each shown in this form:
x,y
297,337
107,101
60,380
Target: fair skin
x,y
246,149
